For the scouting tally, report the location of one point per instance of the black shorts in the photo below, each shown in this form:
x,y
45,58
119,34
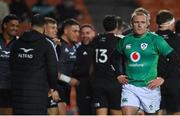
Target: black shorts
x,y
107,95
5,98
171,95
84,97
64,92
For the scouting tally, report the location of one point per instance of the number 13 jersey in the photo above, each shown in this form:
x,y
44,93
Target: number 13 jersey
x,y
103,47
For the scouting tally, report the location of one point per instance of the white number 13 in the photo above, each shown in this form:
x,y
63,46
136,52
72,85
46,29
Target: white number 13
x,y
101,55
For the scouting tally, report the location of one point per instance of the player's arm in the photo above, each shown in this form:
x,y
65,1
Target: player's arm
x,y
172,60
67,79
118,63
51,60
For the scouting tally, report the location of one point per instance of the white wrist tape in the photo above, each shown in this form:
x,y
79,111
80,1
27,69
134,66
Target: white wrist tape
x,y
64,78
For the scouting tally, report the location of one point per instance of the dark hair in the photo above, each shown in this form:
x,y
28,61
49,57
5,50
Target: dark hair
x,y
9,18
66,23
177,26
110,22
37,20
119,21
49,20
163,16
88,25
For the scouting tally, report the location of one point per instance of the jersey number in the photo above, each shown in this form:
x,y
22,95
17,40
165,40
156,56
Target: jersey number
x,y
101,55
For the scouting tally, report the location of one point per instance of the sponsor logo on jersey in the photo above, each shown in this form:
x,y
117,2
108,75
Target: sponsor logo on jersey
x,y
124,100
5,55
6,52
26,50
85,53
25,55
135,56
128,46
144,46
103,39
151,107
66,50
165,36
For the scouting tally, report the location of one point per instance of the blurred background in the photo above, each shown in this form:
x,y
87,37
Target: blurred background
x,y
85,11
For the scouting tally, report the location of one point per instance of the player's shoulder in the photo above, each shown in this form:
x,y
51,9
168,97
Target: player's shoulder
x,y
153,34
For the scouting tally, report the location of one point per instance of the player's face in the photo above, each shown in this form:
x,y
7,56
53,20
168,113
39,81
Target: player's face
x,y
72,33
140,24
51,30
87,35
11,28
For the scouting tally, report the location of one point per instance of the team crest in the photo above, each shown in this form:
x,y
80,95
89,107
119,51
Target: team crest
x,y
144,46
135,56
128,46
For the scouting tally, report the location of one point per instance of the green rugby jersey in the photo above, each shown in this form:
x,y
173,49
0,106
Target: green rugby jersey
x,y
142,53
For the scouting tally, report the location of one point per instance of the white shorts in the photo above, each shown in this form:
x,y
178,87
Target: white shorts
x,y
146,99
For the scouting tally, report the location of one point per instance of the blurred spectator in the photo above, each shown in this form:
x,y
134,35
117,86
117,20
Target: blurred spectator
x,y
67,10
4,10
10,26
19,8
44,8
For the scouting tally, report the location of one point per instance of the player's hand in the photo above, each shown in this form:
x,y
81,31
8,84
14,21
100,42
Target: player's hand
x,y
122,79
57,41
74,82
55,95
155,83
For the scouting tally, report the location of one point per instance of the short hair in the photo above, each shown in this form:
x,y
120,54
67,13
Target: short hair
x,y
138,14
120,21
50,20
110,22
37,20
164,16
177,26
66,23
88,25
9,18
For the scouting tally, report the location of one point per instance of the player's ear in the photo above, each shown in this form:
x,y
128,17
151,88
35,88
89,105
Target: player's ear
x,y
65,30
4,25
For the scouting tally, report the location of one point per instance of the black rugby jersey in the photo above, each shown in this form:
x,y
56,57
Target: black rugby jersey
x,y
173,40
103,47
5,80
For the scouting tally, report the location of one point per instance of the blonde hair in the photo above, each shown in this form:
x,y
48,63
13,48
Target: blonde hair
x,y
139,14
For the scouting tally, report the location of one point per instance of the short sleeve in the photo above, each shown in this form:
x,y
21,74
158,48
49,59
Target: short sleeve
x,y
163,47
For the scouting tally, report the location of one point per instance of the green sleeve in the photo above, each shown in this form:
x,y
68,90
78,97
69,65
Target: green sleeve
x,y
163,47
119,45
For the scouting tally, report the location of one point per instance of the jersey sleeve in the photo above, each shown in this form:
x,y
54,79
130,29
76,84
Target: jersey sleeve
x,y
163,47
51,60
119,46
